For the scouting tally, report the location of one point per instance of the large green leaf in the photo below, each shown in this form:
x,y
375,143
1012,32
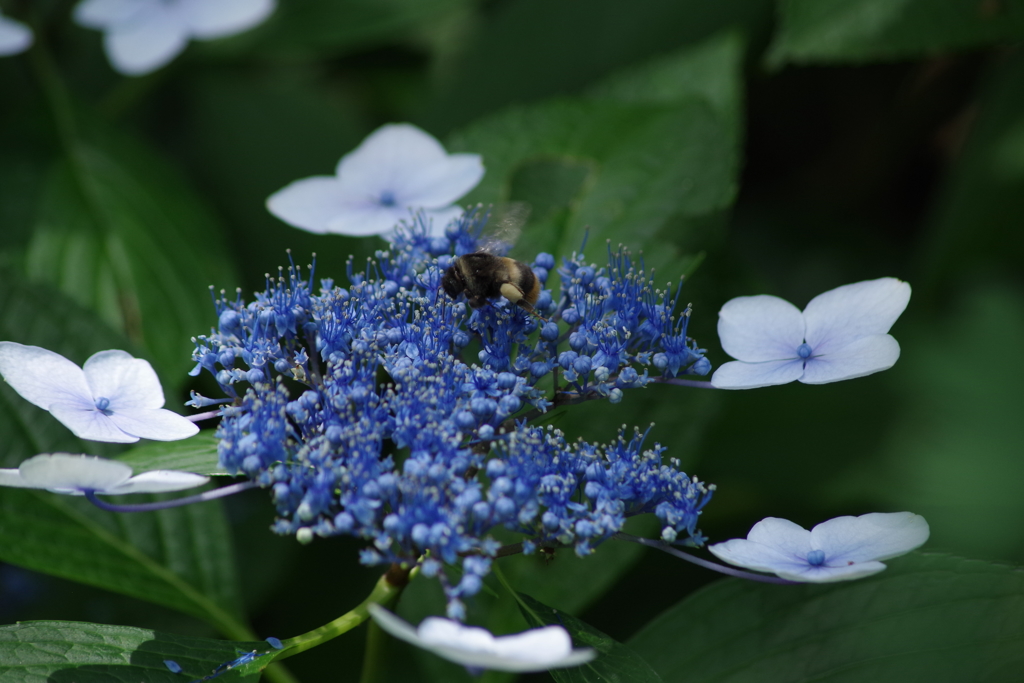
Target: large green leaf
x,y
862,30
615,663
927,617
181,558
197,454
76,652
122,234
643,161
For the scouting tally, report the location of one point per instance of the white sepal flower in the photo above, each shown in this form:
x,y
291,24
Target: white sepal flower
x,y
141,36
538,649
842,334
115,397
396,171
76,474
840,549
15,37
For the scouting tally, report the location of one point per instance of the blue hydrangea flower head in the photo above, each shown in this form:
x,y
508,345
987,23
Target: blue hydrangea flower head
x,y
388,411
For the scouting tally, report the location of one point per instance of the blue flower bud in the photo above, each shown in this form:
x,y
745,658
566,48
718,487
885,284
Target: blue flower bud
x,y
483,407
255,375
549,332
486,432
465,420
582,365
571,315
228,321
507,380
544,260
509,404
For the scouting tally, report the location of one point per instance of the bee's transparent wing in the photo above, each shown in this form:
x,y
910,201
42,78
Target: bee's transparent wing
x,y
503,226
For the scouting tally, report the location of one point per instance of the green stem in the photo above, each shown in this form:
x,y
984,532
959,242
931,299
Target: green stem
x,y
384,593
373,660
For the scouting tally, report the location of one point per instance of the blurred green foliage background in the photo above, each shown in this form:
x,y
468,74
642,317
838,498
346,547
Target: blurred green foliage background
x,y
758,147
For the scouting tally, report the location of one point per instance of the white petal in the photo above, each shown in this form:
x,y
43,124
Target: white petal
x,y
811,574
365,219
89,423
147,42
875,536
126,381
208,19
476,647
740,375
760,328
15,37
44,377
385,156
158,425
310,203
440,183
66,472
785,536
744,553
844,314
13,479
865,356
159,481
103,13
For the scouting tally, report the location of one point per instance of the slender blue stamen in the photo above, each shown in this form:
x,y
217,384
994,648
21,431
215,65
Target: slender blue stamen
x,y
804,350
103,405
209,415
177,502
816,558
714,566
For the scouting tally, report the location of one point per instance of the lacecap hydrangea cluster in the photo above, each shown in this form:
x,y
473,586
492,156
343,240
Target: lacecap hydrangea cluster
x,y
388,411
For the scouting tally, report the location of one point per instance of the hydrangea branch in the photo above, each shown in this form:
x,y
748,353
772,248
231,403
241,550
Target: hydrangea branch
x,y
385,592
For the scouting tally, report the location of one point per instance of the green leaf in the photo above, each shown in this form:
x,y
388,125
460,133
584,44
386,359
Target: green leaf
x,y
181,557
837,31
76,652
927,617
197,454
121,233
615,661
640,166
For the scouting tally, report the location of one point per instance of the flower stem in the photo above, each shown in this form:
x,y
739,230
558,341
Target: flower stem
x,y
177,502
208,415
385,592
707,564
682,382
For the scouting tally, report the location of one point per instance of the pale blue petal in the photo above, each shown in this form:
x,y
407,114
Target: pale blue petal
x,y
90,424
158,425
159,481
757,556
100,14
787,537
760,328
126,381
366,219
862,357
43,377
146,42
209,19
443,182
740,375
15,37
66,472
310,203
809,574
875,536
842,315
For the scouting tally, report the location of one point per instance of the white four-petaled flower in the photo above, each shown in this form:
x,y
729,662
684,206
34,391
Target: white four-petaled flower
x,y
837,550
140,36
15,37
115,397
396,171
77,474
538,649
842,334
